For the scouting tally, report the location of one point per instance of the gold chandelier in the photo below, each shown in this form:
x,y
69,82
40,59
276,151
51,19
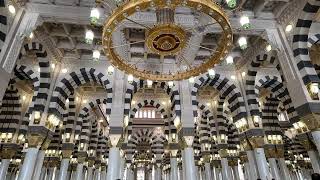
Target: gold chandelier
x,y
167,38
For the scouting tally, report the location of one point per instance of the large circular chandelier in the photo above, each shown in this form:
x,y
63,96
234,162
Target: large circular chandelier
x,y
167,38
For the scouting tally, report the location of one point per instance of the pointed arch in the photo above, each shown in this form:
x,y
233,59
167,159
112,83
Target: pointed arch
x,y
10,115
158,106
226,89
3,22
278,90
300,42
172,92
44,73
72,81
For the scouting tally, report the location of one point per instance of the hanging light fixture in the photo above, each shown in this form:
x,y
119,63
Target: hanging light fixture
x,y
94,16
211,73
89,36
96,55
242,43
314,88
191,79
130,78
64,70
53,66
11,8
268,48
231,3
170,84
149,83
110,70
31,35
229,60
245,22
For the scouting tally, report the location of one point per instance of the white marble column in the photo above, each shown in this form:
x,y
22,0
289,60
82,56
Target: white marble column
x,y
63,169
56,173
103,175
180,177
314,161
28,164
207,171
50,173
79,172
274,168
38,166
97,174
183,163
225,169
4,168
214,173
262,164
252,165
174,168
316,139
43,173
190,168
285,174
68,175
122,167
114,164
158,172
236,174
90,173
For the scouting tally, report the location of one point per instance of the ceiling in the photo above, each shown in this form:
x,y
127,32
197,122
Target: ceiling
x,y
67,32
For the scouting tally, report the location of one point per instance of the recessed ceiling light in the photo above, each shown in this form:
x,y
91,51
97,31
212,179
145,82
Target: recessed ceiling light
x,y
289,28
229,60
12,9
64,70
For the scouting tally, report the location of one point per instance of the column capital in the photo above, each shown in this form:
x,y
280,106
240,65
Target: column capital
x,y
114,139
223,153
274,152
311,121
8,151
82,156
243,157
173,153
256,141
233,162
188,139
91,162
39,136
307,144
206,158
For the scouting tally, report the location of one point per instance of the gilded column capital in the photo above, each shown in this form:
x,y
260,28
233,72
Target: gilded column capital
x,y
307,144
223,153
39,136
245,144
66,154
7,152
311,121
206,158
274,152
233,162
256,141
91,162
243,157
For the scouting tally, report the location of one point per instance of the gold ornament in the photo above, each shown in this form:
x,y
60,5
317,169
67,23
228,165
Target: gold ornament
x,y
166,37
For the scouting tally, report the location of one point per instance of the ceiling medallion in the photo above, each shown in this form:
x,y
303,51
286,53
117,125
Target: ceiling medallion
x,y
167,37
